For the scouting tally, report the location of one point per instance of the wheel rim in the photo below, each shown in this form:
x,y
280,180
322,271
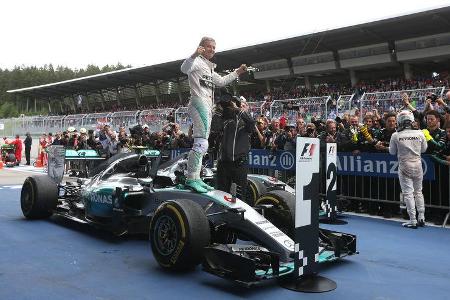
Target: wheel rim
x,y
166,235
27,197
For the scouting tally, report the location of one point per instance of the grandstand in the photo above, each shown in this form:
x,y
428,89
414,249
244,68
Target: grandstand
x,y
341,63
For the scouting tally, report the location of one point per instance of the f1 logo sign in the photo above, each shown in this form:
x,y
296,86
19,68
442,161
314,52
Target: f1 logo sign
x,y
332,149
308,149
307,165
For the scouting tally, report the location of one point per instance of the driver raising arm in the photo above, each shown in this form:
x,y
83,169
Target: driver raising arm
x,y
202,81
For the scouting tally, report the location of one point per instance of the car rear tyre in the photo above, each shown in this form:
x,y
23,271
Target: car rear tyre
x,y
179,231
39,197
282,212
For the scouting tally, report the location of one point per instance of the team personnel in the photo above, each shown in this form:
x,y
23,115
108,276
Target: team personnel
x,y
17,142
237,125
408,144
28,141
202,81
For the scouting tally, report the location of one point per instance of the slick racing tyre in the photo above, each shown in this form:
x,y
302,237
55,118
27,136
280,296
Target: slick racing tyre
x,y
10,158
255,188
282,212
39,197
291,182
179,231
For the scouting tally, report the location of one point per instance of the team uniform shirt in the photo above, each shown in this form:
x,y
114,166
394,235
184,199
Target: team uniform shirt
x,y
408,144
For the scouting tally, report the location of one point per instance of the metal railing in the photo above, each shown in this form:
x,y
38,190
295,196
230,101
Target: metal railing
x,y
124,118
306,107
392,100
154,118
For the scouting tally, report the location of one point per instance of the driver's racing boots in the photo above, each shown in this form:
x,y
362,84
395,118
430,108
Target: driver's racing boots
x,y
206,186
196,185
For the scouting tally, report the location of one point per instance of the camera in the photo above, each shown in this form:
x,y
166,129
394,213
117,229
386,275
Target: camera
x,y
432,97
137,130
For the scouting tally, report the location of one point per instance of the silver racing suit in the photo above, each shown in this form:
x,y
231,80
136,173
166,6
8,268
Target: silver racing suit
x,y
202,80
408,144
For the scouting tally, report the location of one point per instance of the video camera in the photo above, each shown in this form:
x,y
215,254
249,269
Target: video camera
x,y
137,130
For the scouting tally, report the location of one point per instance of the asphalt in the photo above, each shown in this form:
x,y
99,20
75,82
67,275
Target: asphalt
x,y
61,259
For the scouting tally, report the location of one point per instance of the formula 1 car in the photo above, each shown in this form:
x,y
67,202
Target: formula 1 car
x,y
173,172
125,195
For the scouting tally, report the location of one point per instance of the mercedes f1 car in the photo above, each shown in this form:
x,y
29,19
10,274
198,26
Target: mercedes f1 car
x,y
126,194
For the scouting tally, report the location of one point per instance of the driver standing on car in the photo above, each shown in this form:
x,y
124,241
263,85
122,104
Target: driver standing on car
x,y
408,144
202,81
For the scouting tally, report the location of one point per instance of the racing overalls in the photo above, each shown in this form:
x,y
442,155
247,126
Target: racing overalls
x,y
408,144
202,81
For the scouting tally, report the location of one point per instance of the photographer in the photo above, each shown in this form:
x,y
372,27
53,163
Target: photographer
x,y
237,125
286,140
82,143
310,130
271,134
91,142
257,139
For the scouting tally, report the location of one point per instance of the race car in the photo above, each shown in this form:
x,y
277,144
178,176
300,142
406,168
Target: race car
x,y
185,228
173,172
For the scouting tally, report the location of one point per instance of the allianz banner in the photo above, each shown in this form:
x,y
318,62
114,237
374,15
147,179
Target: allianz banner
x,y
377,164
364,164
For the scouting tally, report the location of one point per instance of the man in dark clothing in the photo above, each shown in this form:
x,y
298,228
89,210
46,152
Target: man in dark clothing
x,y
28,141
436,137
57,141
385,134
91,142
237,125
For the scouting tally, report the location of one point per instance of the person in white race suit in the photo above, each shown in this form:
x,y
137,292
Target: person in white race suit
x,y
202,81
409,144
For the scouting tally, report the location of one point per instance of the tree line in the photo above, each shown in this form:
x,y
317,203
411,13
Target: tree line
x,y
27,76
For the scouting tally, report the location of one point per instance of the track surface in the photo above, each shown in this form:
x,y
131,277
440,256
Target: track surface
x,y
60,259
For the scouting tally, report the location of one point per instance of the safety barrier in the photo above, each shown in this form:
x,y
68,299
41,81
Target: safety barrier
x,y
392,100
154,118
368,177
307,107
182,118
95,120
75,121
256,108
54,123
344,104
124,118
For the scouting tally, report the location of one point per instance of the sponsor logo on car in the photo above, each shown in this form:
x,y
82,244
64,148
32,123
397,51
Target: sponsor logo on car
x,y
100,198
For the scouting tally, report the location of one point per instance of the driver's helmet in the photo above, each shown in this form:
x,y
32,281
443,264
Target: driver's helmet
x,y
404,119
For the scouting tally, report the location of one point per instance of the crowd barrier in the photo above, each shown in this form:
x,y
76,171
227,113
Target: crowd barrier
x,y
344,104
154,118
124,118
367,177
309,107
392,100
183,119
